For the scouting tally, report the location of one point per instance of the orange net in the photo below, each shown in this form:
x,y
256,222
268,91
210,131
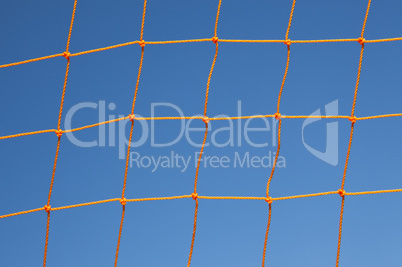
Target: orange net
x,y
194,195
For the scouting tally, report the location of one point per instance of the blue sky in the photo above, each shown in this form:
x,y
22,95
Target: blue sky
x,y
303,232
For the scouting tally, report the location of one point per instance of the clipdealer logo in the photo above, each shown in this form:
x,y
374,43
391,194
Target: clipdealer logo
x,y
236,132
176,161
330,155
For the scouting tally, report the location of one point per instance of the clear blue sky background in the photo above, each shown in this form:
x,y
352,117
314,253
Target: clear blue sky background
x,y
229,233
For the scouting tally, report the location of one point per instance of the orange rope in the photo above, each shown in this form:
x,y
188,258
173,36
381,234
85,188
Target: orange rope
x,y
384,40
131,117
59,132
198,40
266,233
30,60
120,230
47,208
278,117
194,195
25,134
21,213
210,119
353,120
207,198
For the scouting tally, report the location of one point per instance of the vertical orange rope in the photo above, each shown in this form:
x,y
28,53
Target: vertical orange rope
x,y
123,199
119,238
47,238
194,195
353,120
287,41
66,54
276,157
266,233
278,117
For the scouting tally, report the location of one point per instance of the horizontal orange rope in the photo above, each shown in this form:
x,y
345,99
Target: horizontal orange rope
x,y
21,212
373,192
232,198
180,41
86,204
28,133
292,41
158,198
307,195
201,118
379,116
30,60
200,40
384,40
94,125
103,48
315,117
204,197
